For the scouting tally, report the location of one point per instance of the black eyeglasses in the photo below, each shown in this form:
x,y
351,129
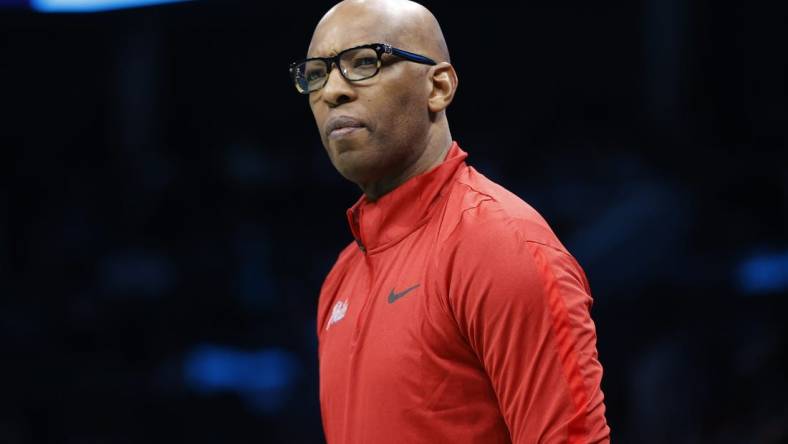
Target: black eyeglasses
x,y
357,63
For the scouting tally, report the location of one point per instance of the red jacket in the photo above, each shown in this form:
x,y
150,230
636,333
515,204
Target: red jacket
x,y
457,317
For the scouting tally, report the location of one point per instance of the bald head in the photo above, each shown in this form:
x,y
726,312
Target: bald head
x,y
401,23
381,130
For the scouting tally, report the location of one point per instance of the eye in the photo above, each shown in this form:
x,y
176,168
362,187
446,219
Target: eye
x,y
365,61
313,74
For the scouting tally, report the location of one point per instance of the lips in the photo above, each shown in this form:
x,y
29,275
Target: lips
x,y
340,122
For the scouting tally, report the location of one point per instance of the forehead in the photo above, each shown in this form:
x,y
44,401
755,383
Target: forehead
x,y
337,33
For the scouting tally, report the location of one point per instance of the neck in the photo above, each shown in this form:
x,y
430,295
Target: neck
x,y
433,155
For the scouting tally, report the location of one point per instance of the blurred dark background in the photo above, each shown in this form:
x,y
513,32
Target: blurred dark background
x,y
168,212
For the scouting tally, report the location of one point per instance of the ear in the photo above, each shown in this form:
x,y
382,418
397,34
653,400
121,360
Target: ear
x,y
443,83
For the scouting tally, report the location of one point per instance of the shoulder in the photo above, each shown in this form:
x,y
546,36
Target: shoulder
x,y
334,279
482,213
340,267
501,250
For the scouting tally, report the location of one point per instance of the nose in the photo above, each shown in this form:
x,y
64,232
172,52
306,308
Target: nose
x,y
337,89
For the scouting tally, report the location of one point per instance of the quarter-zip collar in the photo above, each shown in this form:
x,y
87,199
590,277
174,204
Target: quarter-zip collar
x,y
384,222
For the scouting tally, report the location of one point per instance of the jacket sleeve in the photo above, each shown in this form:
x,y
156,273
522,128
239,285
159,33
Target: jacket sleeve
x,y
524,308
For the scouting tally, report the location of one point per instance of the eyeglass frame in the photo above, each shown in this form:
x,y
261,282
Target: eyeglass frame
x,y
380,49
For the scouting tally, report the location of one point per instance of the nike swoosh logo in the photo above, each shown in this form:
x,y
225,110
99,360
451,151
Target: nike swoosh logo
x,y
394,296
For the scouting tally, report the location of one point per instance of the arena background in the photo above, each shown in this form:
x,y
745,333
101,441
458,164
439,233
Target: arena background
x,y
168,212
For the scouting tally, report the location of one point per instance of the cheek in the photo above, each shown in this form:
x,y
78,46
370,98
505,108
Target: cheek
x,y
408,119
404,111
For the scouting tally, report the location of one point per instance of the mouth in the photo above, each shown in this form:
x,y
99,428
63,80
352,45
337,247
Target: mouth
x,y
341,126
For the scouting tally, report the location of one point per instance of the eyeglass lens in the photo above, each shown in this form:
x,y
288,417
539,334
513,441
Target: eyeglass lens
x,y
356,64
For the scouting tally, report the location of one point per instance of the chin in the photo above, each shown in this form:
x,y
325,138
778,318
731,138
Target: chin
x,y
351,142
356,166
342,146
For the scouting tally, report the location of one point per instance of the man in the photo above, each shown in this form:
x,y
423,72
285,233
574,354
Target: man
x,y
456,316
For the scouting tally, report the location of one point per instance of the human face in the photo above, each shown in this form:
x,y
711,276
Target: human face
x,y
375,128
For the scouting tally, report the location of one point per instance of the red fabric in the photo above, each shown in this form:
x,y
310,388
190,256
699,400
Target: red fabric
x,y
489,338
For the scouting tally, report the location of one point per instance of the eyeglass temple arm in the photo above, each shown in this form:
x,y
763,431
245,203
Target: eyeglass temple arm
x,y
409,55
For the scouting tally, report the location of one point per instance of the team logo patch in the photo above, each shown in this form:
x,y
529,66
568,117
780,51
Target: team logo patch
x,y
337,313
